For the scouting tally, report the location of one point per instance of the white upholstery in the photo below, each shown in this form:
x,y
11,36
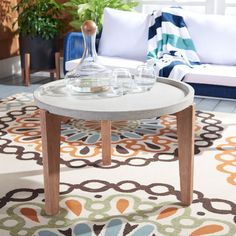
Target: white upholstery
x,y
212,74
214,37
111,62
124,34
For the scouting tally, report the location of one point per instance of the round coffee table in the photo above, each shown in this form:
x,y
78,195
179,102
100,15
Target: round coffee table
x,y
166,97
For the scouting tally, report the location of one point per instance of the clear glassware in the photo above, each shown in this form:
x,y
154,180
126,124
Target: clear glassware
x,y
145,77
88,76
122,81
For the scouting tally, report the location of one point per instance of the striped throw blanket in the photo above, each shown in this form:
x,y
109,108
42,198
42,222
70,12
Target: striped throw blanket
x,y
170,48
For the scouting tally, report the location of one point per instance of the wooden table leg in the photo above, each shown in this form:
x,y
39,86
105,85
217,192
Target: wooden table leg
x,y
23,74
52,75
50,129
57,65
27,69
106,141
185,131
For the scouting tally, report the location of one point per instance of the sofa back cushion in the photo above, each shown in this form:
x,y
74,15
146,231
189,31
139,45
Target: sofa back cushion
x,y
214,37
124,34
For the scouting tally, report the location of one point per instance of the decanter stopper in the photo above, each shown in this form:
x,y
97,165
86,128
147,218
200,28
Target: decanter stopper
x,y
89,27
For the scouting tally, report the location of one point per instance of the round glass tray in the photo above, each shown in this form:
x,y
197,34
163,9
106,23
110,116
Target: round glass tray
x,y
88,85
89,79
60,89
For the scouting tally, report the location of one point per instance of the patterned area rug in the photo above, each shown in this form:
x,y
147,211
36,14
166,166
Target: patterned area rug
x,y
137,195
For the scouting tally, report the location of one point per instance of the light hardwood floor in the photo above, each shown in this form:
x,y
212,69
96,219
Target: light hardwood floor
x,y
12,85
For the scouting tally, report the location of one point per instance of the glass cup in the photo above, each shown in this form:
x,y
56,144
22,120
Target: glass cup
x,y
122,82
145,77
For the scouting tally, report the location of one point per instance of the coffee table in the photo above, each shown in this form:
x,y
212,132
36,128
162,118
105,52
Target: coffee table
x,y
166,97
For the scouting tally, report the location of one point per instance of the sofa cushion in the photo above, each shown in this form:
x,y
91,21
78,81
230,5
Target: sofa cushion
x,y
212,74
214,37
111,62
124,34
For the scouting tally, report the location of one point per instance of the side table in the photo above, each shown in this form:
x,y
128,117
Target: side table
x,y
25,72
166,97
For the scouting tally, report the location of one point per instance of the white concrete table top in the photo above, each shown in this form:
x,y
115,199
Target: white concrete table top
x,y
166,97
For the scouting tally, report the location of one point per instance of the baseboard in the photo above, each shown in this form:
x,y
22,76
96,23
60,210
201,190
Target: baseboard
x,y
10,66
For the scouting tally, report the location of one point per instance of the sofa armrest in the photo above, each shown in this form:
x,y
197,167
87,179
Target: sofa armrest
x,y
73,47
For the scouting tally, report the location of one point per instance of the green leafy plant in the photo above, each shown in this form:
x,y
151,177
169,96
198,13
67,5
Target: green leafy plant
x,y
81,10
38,18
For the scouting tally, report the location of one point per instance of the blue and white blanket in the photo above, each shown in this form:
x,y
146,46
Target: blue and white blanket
x,y
170,47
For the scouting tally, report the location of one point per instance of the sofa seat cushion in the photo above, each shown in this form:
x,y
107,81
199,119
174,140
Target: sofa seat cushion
x,y
213,75
110,62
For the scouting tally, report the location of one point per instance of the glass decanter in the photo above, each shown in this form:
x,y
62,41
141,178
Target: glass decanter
x,y
88,76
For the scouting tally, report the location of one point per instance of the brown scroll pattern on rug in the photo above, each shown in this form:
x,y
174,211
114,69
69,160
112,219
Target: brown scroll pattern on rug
x,y
81,144
226,207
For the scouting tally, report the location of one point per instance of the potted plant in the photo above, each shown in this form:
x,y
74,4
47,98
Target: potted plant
x,y
39,26
82,10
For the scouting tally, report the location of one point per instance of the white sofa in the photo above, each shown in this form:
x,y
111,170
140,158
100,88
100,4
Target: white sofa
x,y
214,37
123,43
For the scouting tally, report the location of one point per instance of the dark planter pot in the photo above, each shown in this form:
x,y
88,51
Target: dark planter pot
x,y
42,52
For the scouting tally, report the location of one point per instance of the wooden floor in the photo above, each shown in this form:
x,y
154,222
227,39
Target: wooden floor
x,y
213,104
12,85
